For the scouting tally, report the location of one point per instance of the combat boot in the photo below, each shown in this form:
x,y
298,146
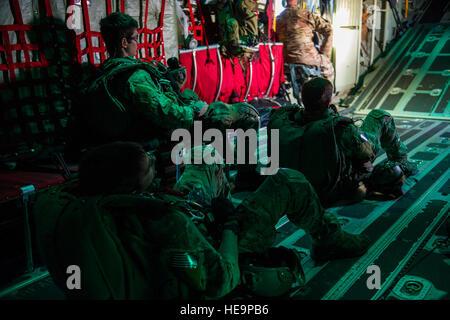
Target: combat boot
x,y
381,122
409,168
397,151
331,242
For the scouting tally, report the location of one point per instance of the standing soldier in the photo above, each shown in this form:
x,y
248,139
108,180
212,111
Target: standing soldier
x,y
297,28
238,25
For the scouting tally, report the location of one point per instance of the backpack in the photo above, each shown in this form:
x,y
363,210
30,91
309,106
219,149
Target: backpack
x,y
79,231
301,144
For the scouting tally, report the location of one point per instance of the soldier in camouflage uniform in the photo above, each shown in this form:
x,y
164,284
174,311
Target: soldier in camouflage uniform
x,y
296,28
335,155
137,101
285,193
130,244
133,100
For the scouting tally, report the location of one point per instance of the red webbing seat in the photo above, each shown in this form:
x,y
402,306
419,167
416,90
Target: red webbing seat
x,y
214,77
12,182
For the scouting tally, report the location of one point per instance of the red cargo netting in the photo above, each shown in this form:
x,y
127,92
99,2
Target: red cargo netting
x,y
88,35
150,48
197,30
31,54
33,92
153,40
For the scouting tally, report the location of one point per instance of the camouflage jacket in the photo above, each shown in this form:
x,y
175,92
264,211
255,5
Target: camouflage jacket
x,y
134,100
295,28
328,149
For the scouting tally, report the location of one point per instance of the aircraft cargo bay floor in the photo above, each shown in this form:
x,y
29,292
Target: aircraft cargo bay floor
x,y
414,79
408,236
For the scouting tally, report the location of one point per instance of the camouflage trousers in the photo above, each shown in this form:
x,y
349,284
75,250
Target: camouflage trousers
x,y
379,128
238,19
238,25
301,73
285,193
224,116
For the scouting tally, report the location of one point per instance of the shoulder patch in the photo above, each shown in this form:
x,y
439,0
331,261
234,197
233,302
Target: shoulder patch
x,y
183,260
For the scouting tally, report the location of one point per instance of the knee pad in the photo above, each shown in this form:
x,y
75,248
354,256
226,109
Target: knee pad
x,y
378,113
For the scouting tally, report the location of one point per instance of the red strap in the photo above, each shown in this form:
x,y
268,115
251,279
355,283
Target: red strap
x,y
18,17
270,18
191,13
48,8
153,39
146,16
87,23
20,28
194,28
202,19
122,6
108,7
163,9
90,50
9,58
87,28
161,24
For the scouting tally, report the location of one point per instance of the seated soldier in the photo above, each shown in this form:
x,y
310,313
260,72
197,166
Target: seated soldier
x,y
334,154
132,100
129,244
129,99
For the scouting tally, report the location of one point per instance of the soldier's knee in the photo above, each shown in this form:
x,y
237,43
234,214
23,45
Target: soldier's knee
x,y
233,24
379,114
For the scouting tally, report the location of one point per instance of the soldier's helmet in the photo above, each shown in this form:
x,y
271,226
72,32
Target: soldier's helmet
x,y
274,273
386,178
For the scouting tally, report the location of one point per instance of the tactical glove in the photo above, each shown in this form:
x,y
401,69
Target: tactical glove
x,y
225,215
